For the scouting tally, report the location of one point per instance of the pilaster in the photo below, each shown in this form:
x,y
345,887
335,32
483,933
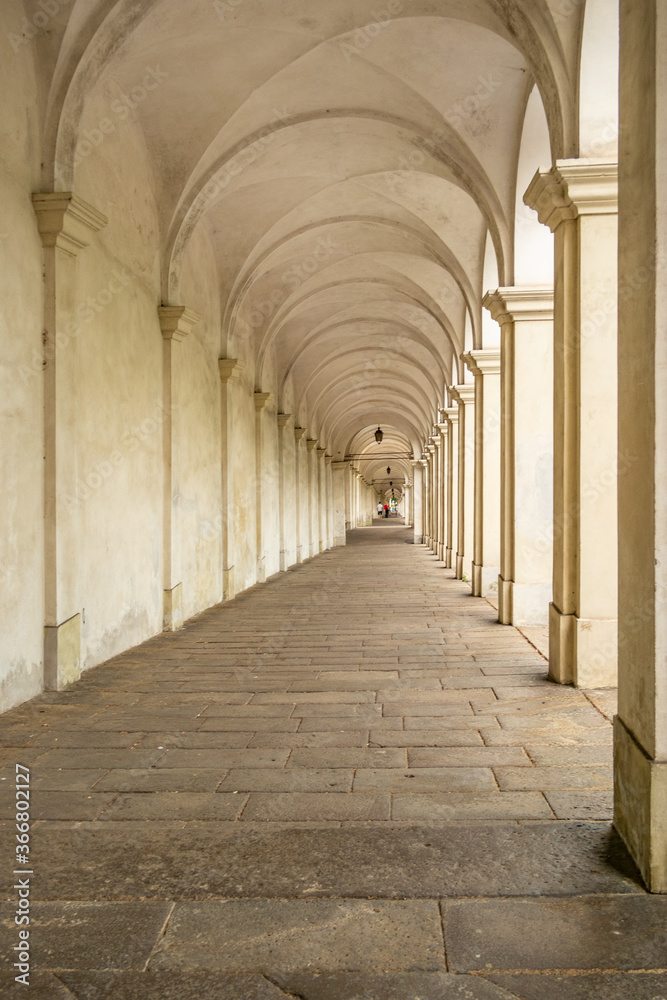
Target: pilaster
x,y
464,395
525,316
176,324
231,370
301,500
286,487
485,367
451,415
262,400
577,199
67,225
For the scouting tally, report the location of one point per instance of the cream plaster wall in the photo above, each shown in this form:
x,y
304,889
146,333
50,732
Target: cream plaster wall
x,y
115,559
21,380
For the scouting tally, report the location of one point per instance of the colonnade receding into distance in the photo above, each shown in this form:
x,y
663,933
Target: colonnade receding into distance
x,y
242,238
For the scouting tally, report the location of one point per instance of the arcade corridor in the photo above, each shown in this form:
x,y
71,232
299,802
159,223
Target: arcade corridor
x,y
299,793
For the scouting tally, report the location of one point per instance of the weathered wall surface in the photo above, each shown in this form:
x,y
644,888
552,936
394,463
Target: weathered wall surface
x,y
21,396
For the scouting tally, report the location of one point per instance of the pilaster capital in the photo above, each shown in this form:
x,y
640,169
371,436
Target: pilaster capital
x,y
311,443
463,393
262,399
321,452
299,432
176,322
338,466
572,188
66,221
231,369
483,362
443,427
452,414
328,459
283,419
517,304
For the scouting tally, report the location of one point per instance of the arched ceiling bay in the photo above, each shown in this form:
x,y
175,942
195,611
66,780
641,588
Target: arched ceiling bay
x,y
347,159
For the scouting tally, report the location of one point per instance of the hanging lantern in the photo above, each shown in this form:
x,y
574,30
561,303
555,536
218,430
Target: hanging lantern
x,y
388,470
378,435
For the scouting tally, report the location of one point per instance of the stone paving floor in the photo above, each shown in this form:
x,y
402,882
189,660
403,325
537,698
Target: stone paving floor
x,y
349,783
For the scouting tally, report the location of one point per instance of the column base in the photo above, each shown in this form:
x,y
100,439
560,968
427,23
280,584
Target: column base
x,y
441,551
340,540
582,651
459,567
448,558
484,581
523,603
62,654
228,584
299,555
640,806
261,570
172,608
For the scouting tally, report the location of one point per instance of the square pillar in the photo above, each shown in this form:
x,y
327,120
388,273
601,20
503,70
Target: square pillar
x,y
313,497
577,199
485,366
464,395
418,500
640,730
321,500
443,429
525,585
67,225
340,472
451,415
329,497
176,324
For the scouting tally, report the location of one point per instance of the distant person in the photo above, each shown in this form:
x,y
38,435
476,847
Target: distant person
x,y
386,510
380,509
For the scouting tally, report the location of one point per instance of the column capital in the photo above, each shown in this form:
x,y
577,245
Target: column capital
x,y
321,452
340,464
230,369
483,362
262,399
513,305
176,322
572,188
443,427
283,419
452,414
66,221
464,393
328,459
299,432
311,443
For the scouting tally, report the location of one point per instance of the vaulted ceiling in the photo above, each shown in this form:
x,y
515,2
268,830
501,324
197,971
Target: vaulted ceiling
x,y
354,164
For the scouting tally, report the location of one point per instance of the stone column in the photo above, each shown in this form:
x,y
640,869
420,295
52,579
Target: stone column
x,y
525,582
67,225
340,472
231,370
577,199
301,504
430,463
418,500
286,490
261,401
465,396
452,416
321,501
436,444
640,728
313,497
485,366
443,429
176,323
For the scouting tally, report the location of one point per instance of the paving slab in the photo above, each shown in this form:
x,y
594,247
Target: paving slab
x,y
424,779
174,806
170,985
258,936
514,778
446,806
592,986
595,932
397,986
116,860
86,935
316,806
341,757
